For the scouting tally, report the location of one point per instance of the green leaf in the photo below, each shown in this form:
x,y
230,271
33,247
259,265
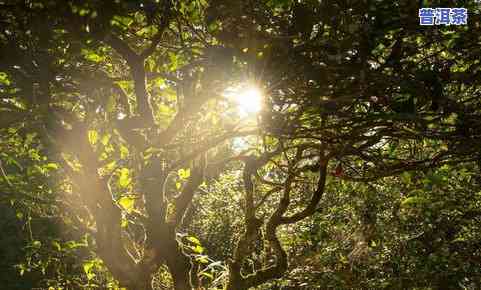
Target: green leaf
x,y
122,21
198,249
124,178
406,177
193,240
105,139
83,12
147,31
88,269
202,260
207,274
139,17
160,82
74,245
57,245
110,166
51,166
36,244
22,269
174,61
4,78
92,56
93,137
124,152
413,201
127,203
184,173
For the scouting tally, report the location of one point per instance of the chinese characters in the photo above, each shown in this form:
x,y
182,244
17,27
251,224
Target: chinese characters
x,y
443,16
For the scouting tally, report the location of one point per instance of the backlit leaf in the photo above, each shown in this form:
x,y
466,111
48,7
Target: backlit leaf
x,y
127,203
124,178
93,137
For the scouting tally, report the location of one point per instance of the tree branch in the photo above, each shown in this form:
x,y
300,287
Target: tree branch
x,y
184,199
278,269
136,65
164,23
96,197
310,209
205,146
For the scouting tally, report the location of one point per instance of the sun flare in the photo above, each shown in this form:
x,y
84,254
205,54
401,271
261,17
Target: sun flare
x,y
247,98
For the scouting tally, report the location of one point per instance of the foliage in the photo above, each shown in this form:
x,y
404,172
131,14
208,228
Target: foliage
x,y
129,167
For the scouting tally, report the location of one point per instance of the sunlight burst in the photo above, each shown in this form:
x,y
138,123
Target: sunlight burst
x,y
247,98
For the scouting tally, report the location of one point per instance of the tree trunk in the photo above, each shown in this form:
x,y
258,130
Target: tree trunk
x,y
142,285
178,263
235,278
179,266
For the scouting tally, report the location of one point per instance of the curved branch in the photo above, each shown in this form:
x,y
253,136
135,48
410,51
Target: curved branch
x,y
136,65
209,144
164,23
310,209
184,199
277,270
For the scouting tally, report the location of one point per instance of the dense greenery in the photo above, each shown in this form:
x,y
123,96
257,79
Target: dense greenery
x,y
129,162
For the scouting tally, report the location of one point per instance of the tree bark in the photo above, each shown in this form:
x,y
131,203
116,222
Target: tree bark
x,y
142,284
179,265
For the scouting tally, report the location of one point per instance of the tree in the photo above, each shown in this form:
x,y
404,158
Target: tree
x,y
126,99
